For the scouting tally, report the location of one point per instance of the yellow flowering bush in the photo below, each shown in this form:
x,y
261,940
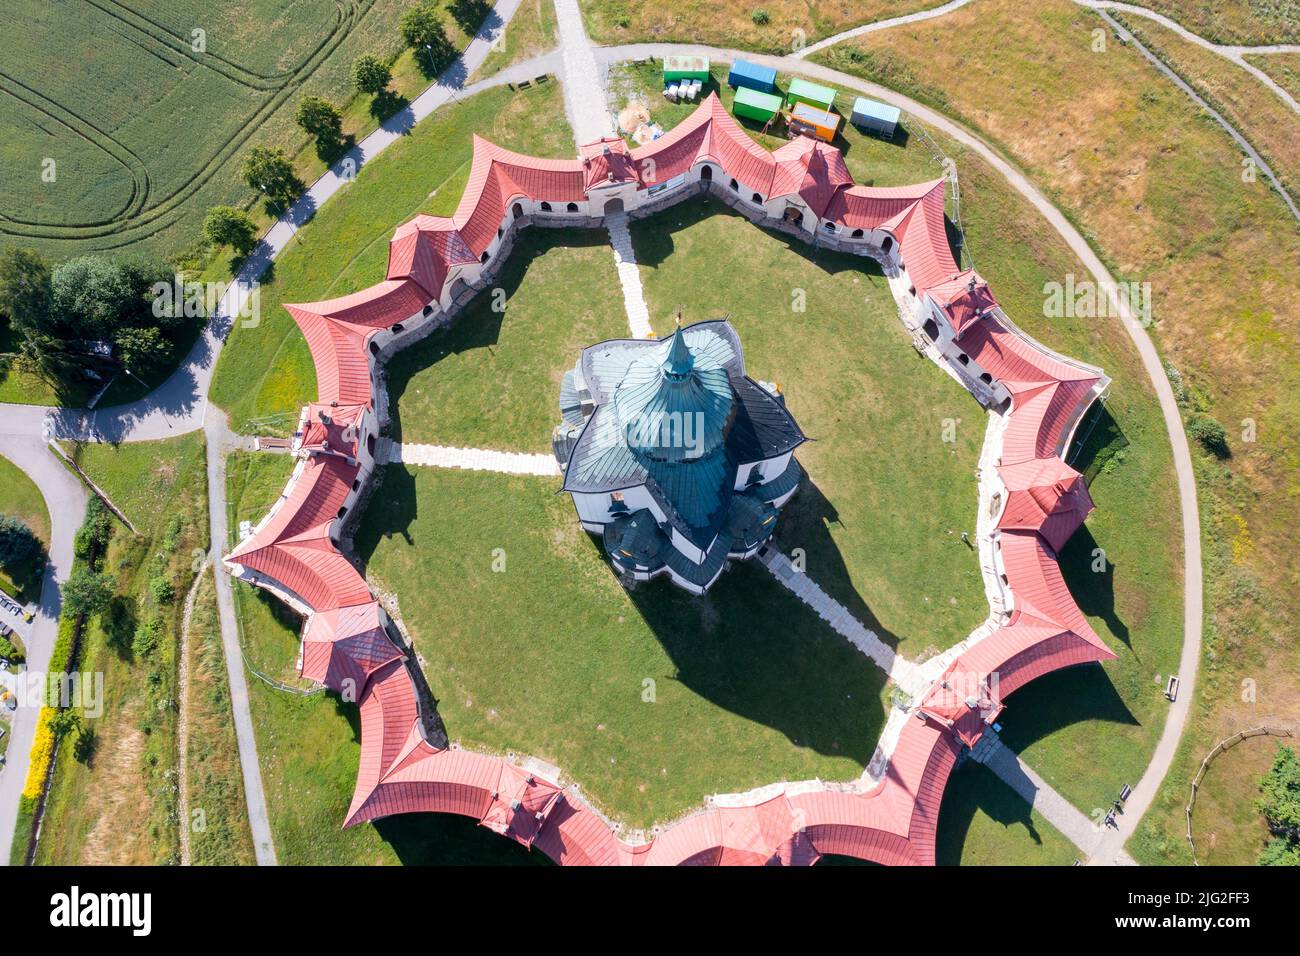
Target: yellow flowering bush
x,y
42,754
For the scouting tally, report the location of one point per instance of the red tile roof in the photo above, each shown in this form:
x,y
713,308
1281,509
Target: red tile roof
x,y
1044,495
401,772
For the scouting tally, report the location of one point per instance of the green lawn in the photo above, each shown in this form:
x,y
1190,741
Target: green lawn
x,y
553,657
122,175
138,475
491,379
265,370
20,498
113,798
531,31
881,517
986,823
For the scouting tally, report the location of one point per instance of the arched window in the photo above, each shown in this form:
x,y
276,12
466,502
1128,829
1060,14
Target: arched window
x,y
828,226
370,444
397,329
546,207
758,199
931,329
356,484
517,209
572,207
963,358
857,234
427,311
887,244
500,233
342,512
484,257
374,348
986,378
735,186
706,173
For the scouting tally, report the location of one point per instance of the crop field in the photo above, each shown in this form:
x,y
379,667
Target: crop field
x,y
147,131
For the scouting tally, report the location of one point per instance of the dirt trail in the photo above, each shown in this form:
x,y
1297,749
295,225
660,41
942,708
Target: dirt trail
x,y
182,721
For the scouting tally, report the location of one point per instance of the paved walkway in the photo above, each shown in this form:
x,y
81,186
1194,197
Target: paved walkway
x,y
1053,807
629,276
584,77
474,459
902,671
65,500
219,444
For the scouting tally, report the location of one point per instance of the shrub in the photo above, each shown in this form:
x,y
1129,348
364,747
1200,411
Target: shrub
x,y
92,537
9,650
760,17
87,592
146,638
163,591
141,350
370,74
42,754
1210,433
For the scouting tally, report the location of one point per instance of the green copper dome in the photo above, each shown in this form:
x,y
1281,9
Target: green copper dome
x,y
673,407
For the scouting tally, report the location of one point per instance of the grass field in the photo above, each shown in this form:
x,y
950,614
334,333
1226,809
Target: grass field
x,y
985,823
266,372
20,498
789,25
554,657
1256,111
115,802
219,833
491,379
880,527
1157,188
531,31
149,130
1283,68
1233,21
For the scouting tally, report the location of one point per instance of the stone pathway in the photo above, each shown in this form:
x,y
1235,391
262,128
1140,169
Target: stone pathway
x,y
473,459
584,83
903,672
638,314
1053,807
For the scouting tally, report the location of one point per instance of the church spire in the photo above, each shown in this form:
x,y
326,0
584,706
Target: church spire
x,y
679,362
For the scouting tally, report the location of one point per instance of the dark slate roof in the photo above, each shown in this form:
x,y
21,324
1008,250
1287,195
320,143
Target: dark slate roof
x,y
695,492
750,522
634,540
782,483
701,575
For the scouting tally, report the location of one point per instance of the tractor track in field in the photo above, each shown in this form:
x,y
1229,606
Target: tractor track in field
x,y
140,218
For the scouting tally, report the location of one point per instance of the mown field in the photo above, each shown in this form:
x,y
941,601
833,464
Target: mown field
x,y
531,31
1156,186
113,799
148,130
265,372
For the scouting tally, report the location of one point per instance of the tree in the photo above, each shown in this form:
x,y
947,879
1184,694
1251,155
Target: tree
x,y
228,226
25,292
320,119
1280,804
92,296
469,14
142,349
17,541
270,172
64,722
370,74
87,592
422,29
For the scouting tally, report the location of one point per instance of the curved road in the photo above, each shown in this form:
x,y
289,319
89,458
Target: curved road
x,y
180,404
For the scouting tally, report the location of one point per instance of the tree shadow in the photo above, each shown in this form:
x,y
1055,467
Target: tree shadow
x,y
973,788
447,839
1099,439
119,623
386,104
330,151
